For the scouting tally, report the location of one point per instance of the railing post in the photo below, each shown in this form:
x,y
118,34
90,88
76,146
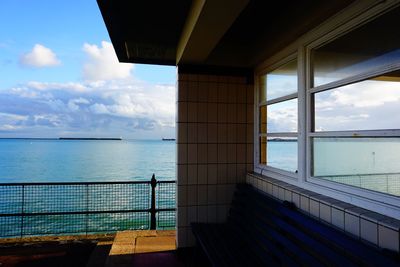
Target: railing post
x,y
153,203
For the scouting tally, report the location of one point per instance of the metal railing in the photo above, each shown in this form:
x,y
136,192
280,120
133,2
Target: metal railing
x,y
388,183
31,209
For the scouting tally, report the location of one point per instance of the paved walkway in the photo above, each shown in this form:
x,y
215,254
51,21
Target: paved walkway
x,y
130,248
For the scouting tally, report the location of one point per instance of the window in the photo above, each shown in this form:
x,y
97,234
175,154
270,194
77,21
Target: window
x,y
336,105
278,117
356,105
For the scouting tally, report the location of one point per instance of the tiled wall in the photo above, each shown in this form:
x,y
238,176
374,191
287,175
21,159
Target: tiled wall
x,y
371,227
215,146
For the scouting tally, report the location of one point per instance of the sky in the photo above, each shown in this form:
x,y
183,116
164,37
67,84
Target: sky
x,y
60,77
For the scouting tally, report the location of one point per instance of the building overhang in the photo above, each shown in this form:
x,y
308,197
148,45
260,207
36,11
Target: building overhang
x,y
218,33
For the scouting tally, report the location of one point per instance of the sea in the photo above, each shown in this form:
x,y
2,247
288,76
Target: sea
x,y
39,160
68,187
369,163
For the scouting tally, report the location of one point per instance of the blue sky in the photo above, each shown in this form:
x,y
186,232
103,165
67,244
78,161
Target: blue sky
x,y
60,77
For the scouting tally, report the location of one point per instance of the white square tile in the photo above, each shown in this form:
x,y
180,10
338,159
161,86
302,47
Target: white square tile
x,y
338,218
212,214
288,195
231,153
352,224
202,195
231,173
182,153
314,208
182,133
325,212
202,174
182,112
202,214
182,174
182,195
388,238
212,115
222,92
369,231
212,153
211,194
221,194
192,214
222,153
192,174
192,132
202,153
212,133
202,112
182,237
222,133
202,133
305,203
296,199
192,195
222,113
192,112
222,173
192,153
212,174
182,216
231,113
192,91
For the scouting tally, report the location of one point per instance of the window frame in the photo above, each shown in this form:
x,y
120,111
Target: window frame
x,y
265,168
344,22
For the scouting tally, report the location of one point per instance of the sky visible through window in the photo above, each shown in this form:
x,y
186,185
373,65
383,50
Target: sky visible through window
x,y
60,77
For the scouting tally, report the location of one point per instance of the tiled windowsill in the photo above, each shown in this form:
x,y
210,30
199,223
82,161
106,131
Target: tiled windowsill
x,y
374,228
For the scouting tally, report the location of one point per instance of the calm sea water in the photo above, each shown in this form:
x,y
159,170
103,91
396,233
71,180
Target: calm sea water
x,y
109,205
85,161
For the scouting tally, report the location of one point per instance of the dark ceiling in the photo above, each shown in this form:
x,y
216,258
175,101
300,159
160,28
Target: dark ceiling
x,y
148,31
151,28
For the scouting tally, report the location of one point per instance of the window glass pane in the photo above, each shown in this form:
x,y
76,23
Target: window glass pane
x,y
282,153
371,45
280,82
263,119
370,163
368,105
282,117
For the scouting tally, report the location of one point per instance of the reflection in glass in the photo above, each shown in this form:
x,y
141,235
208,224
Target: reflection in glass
x,y
373,44
263,150
282,117
280,82
370,163
368,105
282,153
263,119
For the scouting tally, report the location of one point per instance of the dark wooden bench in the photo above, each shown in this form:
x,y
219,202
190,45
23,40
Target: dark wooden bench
x,y
261,231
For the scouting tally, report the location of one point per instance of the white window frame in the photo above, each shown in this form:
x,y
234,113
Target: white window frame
x,y
345,21
265,169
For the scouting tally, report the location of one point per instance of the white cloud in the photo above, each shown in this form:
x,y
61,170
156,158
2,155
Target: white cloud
x,y
102,63
39,57
70,86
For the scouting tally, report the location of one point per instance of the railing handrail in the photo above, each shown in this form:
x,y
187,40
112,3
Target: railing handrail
x,y
88,183
362,174
152,210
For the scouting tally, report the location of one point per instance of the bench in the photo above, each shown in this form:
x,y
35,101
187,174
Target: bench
x,y
262,231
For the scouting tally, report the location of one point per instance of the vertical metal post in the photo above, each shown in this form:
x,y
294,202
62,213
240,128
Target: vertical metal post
x,y
153,203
